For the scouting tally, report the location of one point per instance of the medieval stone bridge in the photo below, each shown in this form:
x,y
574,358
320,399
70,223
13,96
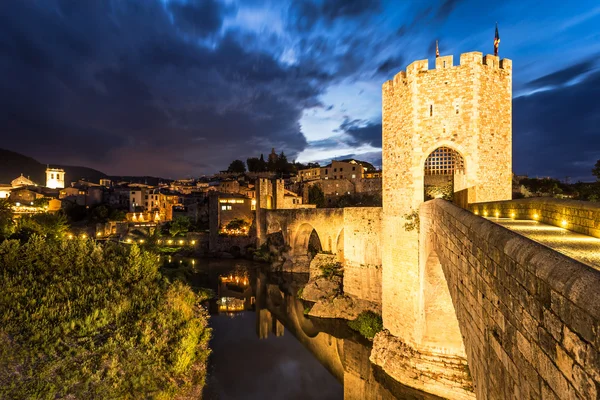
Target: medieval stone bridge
x,y
523,317
470,308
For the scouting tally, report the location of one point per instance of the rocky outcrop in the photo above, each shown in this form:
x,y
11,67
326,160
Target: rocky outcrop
x,y
342,306
322,289
325,289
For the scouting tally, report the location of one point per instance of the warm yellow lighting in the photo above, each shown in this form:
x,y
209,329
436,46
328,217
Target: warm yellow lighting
x,y
128,240
98,234
497,214
193,262
169,241
84,236
141,240
535,216
70,236
564,222
181,242
476,212
485,213
159,241
512,215
193,242
18,204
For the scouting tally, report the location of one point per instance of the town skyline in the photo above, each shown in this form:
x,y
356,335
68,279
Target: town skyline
x,y
121,85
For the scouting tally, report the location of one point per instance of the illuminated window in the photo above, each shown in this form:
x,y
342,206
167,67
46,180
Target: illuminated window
x,y
353,176
444,161
223,207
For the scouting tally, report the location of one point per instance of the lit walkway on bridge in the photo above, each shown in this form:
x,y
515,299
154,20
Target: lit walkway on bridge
x,y
583,248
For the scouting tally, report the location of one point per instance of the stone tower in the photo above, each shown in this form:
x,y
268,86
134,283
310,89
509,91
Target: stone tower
x,y
452,121
55,178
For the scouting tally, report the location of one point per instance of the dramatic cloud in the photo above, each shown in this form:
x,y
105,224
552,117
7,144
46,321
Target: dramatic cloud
x,y
123,98
564,75
199,17
182,87
362,132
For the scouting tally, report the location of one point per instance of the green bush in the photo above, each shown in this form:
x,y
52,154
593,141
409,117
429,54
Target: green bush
x,y
329,271
78,320
262,253
367,324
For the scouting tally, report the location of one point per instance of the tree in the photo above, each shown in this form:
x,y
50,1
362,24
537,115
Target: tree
x,y
6,219
263,164
179,226
44,224
316,196
237,167
117,215
100,213
596,170
253,164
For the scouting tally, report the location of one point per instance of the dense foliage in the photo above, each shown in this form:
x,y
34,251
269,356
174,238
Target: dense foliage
x,y
7,225
82,321
367,324
316,196
51,226
237,167
180,226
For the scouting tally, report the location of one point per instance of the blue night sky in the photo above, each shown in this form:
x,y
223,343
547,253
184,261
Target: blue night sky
x,y
180,88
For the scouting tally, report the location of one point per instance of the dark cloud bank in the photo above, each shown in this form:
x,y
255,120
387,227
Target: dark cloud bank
x,y
140,87
126,88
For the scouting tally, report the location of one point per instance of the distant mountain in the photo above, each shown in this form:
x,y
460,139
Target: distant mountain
x,y
13,164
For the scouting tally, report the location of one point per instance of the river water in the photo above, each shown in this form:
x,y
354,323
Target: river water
x,y
264,347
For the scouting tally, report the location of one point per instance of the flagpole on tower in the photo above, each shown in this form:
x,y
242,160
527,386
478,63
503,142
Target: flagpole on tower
x,y
437,50
496,41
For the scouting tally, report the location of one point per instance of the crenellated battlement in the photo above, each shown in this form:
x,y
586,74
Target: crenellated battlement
x,y
467,60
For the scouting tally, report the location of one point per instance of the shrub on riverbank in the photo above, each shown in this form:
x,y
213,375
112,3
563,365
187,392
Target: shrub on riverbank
x,y
82,321
367,324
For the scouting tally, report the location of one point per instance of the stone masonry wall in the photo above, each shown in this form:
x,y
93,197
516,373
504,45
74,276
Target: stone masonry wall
x,y
362,253
529,316
578,216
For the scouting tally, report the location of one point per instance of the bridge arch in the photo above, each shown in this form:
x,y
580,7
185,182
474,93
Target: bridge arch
x,y
441,330
306,240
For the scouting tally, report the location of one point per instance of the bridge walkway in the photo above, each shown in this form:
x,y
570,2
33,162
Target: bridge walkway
x,y
583,248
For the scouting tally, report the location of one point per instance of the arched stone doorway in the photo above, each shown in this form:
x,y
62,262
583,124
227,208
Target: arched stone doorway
x,y
444,174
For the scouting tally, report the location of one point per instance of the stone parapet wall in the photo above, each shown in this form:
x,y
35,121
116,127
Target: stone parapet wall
x,y
578,216
529,316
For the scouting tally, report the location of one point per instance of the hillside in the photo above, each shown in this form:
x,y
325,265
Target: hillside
x,y
13,164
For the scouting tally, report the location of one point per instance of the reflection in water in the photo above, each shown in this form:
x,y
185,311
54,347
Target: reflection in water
x,y
255,358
